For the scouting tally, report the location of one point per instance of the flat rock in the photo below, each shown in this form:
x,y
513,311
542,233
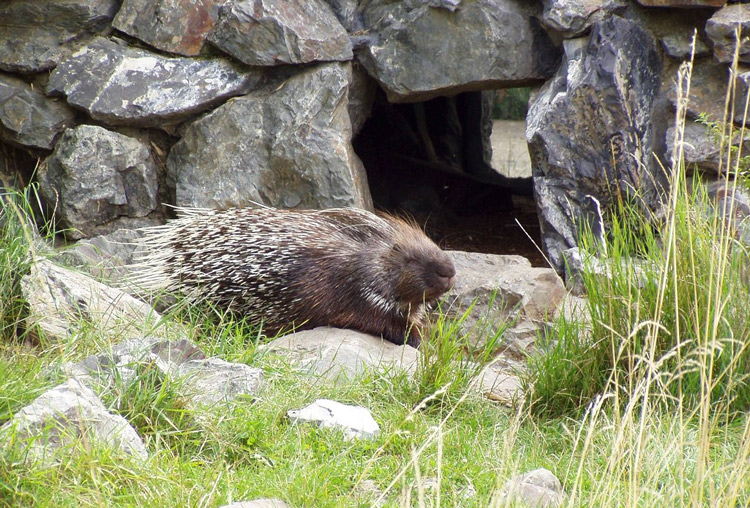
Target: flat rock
x,y
354,421
96,176
176,26
274,32
539,488
289,147
590,135
211,381
721,30
65,415
35,36
504,289
60,298
701,149
497,383
708,85
28,118
417,51
121,85
104,256
335,352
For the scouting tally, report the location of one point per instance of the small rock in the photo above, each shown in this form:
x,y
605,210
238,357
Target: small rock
x,y
574,17
338,353
499,385
212,380
64,415
721,30
28,118
538,489
354,421
258,503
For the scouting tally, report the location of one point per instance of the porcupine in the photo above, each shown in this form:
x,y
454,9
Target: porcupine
x,y
346,268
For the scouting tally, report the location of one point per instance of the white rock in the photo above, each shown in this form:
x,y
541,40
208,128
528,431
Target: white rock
x,y
258,503
213,380
355,421
539,488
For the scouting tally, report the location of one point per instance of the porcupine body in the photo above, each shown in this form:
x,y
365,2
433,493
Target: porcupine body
x,y
286,269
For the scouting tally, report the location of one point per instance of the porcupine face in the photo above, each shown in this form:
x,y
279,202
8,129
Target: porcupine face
x,y
426,272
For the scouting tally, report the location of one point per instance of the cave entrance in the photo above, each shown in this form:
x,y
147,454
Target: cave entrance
x,y
458,165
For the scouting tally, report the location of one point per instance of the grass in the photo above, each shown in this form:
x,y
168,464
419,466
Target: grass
x,y
644,405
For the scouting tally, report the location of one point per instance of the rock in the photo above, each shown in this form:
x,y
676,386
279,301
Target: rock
x,y
589,132
259,503
59,299
539,488
354,421
742,89
498,384
211,381
417,52
337,353
700,148
721,30
574,17
95,176
682,3
28,118
348,14
288,148
176,26
67,415
708,85
104,256
126,86
680,45
361,97
503,289
274,32
732,203
35,36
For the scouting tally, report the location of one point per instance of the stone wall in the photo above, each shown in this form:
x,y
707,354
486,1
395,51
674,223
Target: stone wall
x,y
131,105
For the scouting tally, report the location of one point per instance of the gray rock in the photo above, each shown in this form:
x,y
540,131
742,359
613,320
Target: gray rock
x,y
589,132
275,32
504,289
65,415
721,30
498,383
417,52
104,256
287,148
258,503
539,488
732,203
211,381
361,96
700,148
28,118
96,176
126,86
337,353
682,3
742,84
59,299
354,421
680,45
574,17
708,85
348,13
176,26
35,36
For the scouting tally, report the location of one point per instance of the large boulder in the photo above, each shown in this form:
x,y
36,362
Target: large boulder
x,y
35,36
121,85
96,176
419,50
275,32
177,26
589,132
288,146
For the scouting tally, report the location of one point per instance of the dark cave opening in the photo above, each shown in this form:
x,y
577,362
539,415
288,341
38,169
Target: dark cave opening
x,y
432,161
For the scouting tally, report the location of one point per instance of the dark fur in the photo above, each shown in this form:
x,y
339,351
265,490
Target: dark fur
x,y
343,267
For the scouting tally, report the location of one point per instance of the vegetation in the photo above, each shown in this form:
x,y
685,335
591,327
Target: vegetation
x,y
643,404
